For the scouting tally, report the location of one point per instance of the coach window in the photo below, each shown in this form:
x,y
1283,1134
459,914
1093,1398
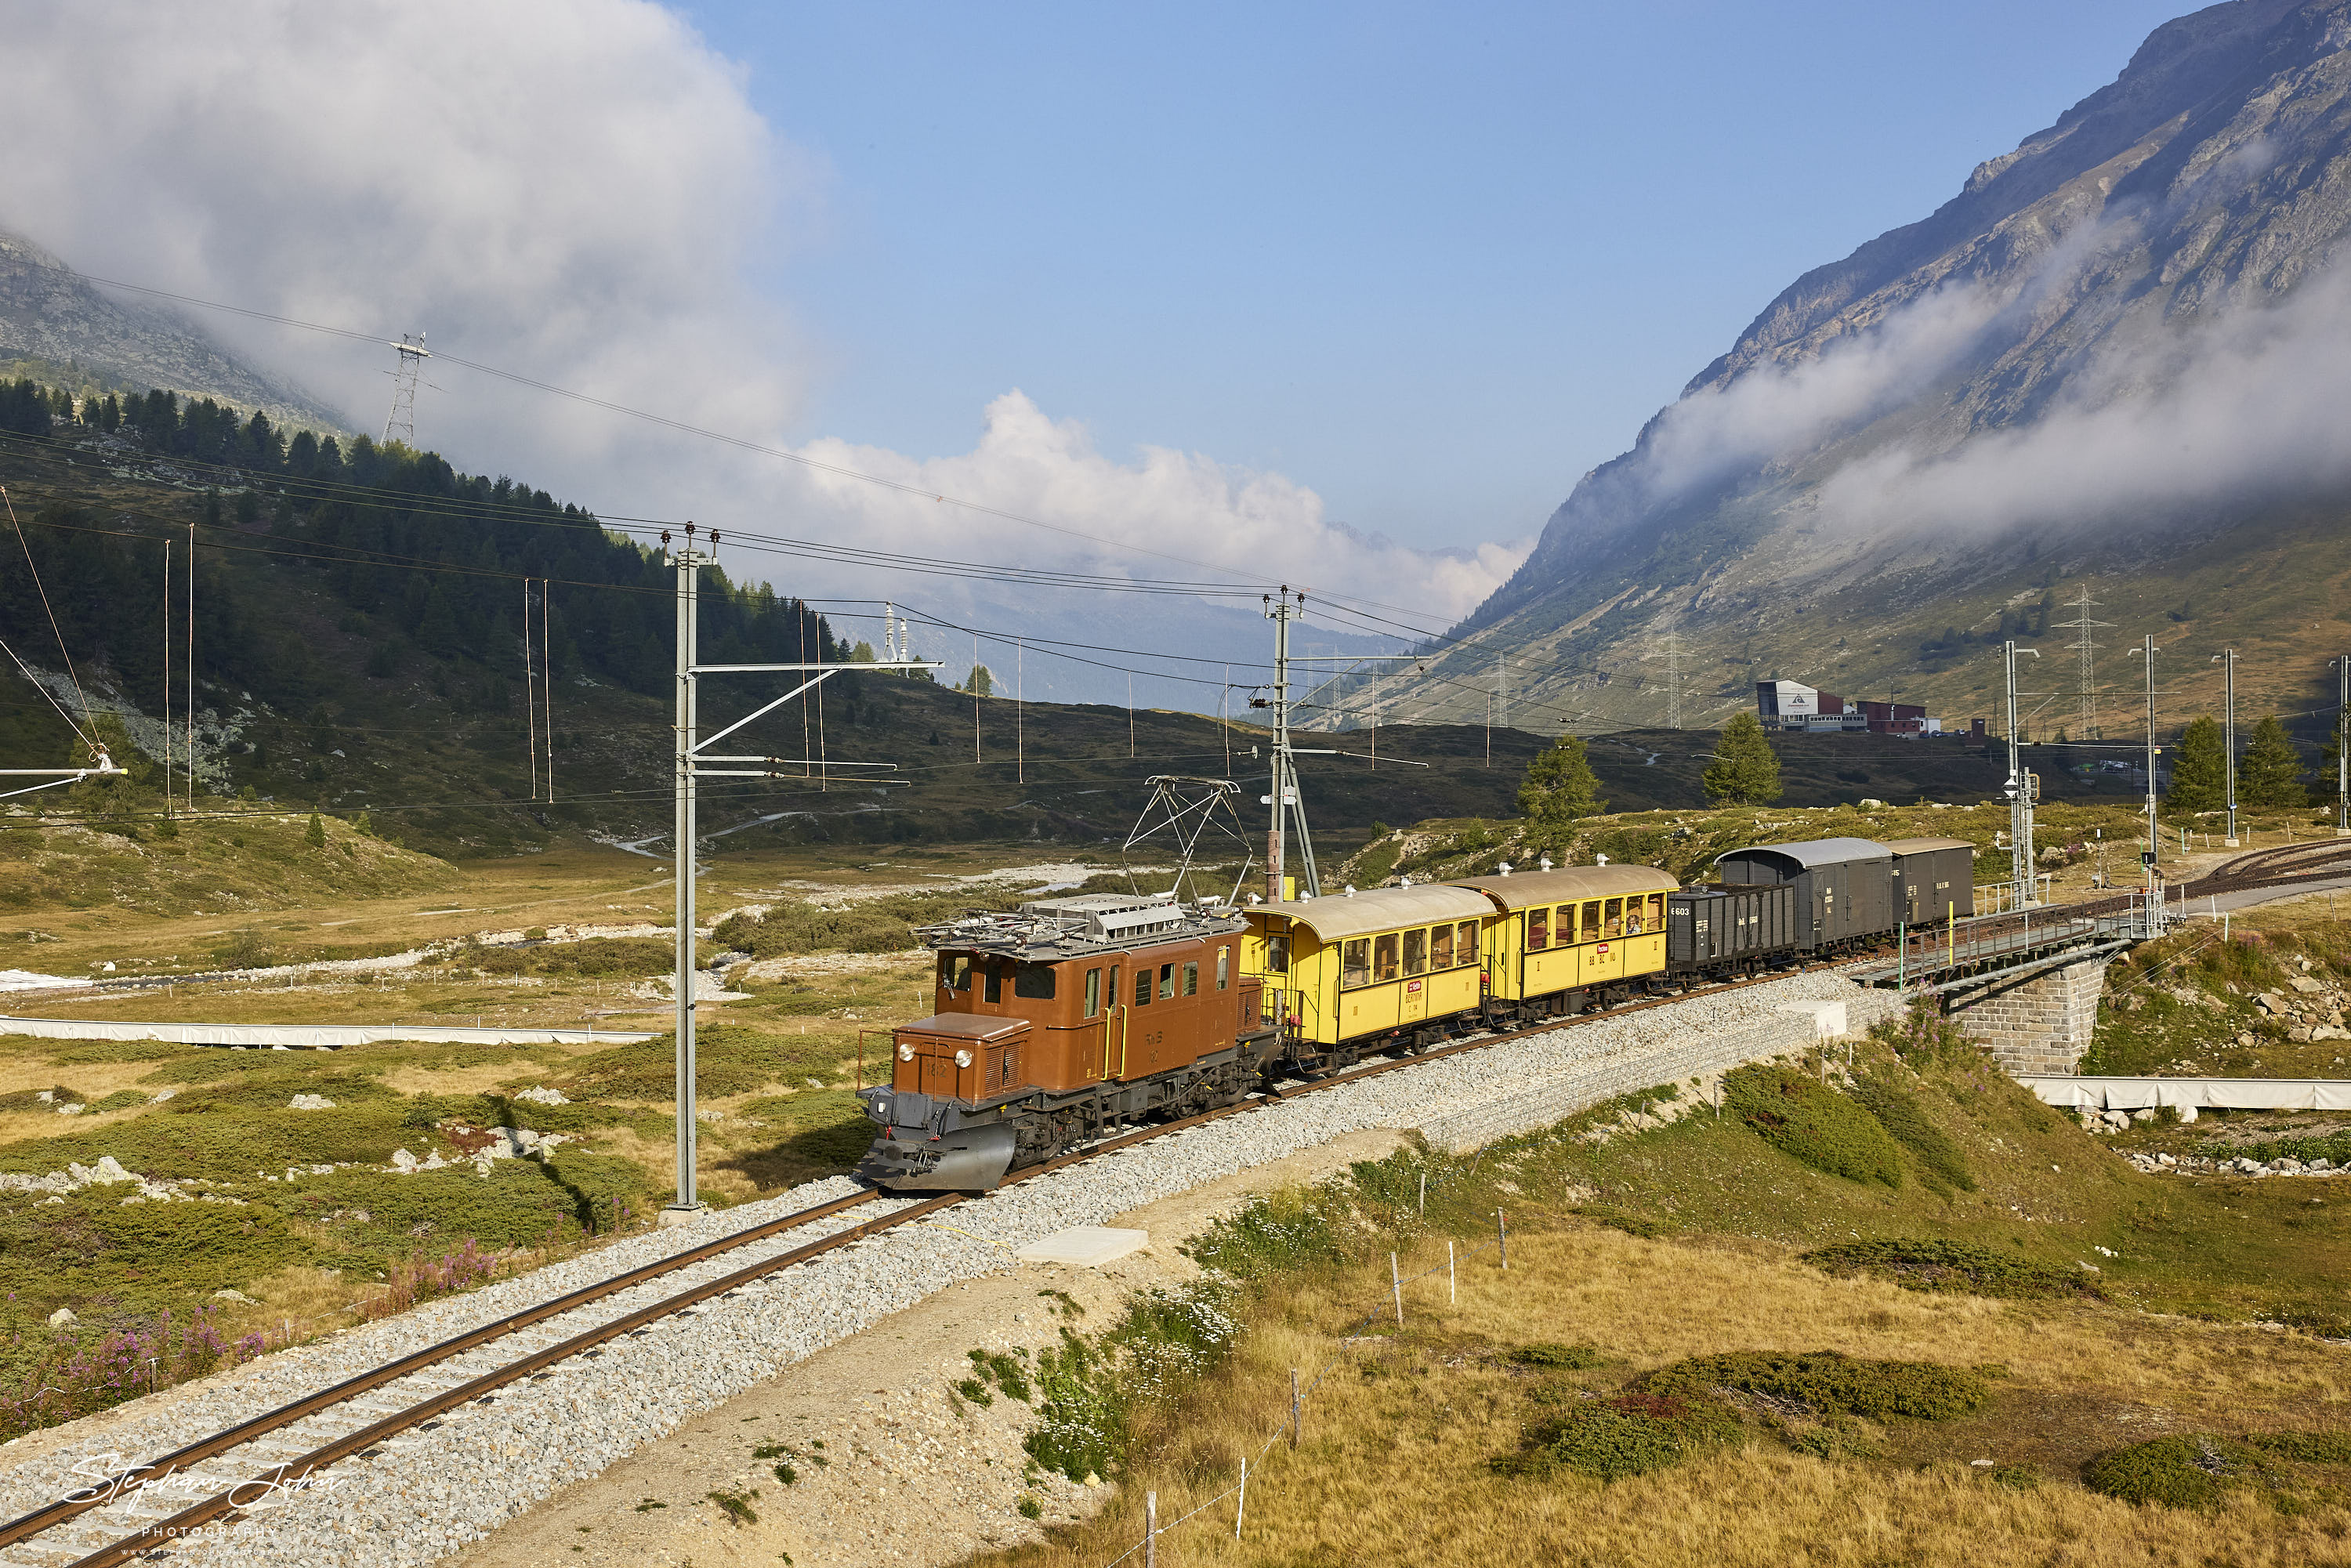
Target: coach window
x,y
1191,980
1355,963
1384,957
1224,967
1034,982
1615,920
954,972
1093,993
1592,922
1167,981
1415,952
1657,912
1539,930
995,982
1143,986
1465,943
1277,954
1440,947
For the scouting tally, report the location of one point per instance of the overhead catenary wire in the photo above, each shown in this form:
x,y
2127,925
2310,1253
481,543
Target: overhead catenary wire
x,y
88,734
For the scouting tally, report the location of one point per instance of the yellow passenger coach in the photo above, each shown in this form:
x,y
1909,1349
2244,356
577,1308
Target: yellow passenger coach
x,y
1366,970
1564,939
1350,971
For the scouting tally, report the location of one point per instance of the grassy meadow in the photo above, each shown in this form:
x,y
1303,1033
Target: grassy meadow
x,y
1708,1350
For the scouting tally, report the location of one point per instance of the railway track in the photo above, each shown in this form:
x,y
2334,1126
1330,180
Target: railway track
x,y
116,1519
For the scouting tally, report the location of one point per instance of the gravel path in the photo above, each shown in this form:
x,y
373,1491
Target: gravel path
x,y
431,1491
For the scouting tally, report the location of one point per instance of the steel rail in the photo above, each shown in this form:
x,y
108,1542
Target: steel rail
x,y
223,1507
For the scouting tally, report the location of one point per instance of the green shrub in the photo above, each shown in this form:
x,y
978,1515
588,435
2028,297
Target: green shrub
x,y
1272,1233
598,958
1829,1381
1812,1123
2305,1447
1557,1358
1926,1033
121,1100
1925,1264
1627,1434
2187,1470
1898,1111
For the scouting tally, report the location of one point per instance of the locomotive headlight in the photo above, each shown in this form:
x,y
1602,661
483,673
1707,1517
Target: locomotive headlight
x,y
963,1059
905,1053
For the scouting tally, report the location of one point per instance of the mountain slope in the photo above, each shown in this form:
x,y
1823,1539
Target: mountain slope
x,y
2104,356
53,324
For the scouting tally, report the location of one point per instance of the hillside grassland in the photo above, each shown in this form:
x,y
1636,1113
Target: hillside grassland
x,y
1656,1377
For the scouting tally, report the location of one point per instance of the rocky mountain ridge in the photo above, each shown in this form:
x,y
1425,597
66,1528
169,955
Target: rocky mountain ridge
x,y
59,327
1984,406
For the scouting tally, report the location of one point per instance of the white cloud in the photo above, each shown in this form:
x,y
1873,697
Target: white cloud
x,y
576,190
2182,420
1184,510
566,187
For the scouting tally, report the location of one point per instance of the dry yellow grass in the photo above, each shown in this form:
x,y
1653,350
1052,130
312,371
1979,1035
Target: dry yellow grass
x,y
1393,1468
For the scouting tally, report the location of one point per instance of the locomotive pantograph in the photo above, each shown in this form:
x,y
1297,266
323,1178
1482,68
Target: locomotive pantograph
x,y
1058,1023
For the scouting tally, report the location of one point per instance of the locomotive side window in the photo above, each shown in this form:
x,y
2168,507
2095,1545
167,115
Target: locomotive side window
x,y
1592,922
1143,986
1167,981
1440,947
1191,980
1224,967
1615,925
1355,963
954,972
1465,946
1093,993
1415,952
994,983
1384,957
1034,981
1538,929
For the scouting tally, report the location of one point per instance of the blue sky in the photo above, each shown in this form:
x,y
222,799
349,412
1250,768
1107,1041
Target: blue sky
x,y
1433,264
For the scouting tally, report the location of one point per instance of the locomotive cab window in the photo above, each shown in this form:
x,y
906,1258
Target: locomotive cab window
x,y
1143,986
1465,945
1093,993
1167,981
994,983
1538,929
954,972
1355,963
1034,982
1191,980
1383,958
1440,947
1224,967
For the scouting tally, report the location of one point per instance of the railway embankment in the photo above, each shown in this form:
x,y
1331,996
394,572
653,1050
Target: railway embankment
x,y
427,1492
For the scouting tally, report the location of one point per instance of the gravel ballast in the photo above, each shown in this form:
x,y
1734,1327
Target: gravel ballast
x,y
432,1490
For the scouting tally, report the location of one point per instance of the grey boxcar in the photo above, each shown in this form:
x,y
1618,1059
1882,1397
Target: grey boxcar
x,y
1934,879
1845,887
1711,925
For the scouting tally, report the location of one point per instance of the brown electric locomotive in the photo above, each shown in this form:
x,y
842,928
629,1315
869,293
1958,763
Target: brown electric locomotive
x,y
1057,1023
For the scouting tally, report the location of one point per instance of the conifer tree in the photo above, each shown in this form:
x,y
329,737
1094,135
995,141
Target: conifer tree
x,y
315,835
2270,774
2200,770
1745,770
1560,787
